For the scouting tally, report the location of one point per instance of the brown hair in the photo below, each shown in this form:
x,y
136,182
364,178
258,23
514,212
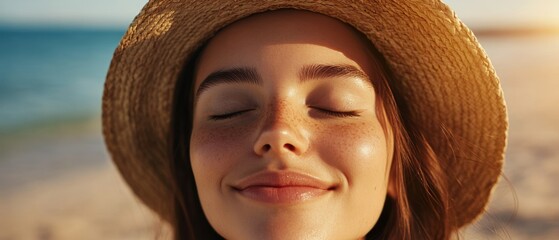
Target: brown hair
x,y
420,209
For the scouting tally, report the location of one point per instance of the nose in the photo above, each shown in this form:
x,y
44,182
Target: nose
x,y
282,133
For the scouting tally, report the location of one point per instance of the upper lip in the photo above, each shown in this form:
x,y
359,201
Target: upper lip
x,y
282,179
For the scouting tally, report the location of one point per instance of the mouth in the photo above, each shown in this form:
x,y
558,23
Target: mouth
x,y
282,187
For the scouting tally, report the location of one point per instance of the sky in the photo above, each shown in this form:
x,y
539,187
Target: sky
x,y
87,13
119,13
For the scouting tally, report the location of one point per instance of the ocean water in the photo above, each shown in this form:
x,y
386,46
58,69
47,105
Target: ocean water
x,y
52,75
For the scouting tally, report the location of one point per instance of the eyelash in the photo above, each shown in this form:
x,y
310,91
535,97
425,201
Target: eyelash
x,y
339,114
228,115
325,111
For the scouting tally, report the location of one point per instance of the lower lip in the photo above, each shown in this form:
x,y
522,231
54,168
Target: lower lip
x,y
285,195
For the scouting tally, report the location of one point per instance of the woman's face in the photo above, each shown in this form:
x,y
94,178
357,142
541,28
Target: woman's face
x,y
286,143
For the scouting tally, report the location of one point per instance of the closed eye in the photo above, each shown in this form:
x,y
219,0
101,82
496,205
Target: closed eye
x,y
230,115
340,114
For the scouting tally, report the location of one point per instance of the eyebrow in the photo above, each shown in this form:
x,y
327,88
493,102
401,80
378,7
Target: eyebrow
x,y
319,71
233,75
308,72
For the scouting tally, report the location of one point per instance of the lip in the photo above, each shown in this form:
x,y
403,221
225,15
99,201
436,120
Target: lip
x,y
283,187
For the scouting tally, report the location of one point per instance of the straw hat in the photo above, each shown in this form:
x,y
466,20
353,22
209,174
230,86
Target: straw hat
x,y
439,66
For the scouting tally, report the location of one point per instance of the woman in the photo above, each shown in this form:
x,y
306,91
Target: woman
x,y
338,120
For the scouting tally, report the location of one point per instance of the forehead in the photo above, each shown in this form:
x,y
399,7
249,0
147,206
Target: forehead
x,y
304,30
290,26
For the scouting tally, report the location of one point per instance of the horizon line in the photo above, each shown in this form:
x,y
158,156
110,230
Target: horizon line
x,y
488,31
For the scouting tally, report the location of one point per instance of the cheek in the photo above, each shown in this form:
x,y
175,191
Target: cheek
x,y
358,150
214,152
360,153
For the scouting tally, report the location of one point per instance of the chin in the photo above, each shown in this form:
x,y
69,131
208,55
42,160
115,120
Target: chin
x,y
284,224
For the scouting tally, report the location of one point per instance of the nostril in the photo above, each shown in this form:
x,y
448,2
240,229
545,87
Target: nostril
x,y
266,147
289,147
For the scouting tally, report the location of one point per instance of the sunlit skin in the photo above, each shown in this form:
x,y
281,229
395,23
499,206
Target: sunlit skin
x,y
282,95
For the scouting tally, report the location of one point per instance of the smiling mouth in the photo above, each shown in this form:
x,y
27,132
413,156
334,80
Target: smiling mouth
x,y
282,187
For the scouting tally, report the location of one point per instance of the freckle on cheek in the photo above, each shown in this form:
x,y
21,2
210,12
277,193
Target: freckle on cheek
x,y
217,144
217,135
361,141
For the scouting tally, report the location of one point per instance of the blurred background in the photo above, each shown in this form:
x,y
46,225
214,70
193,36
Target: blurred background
x,y
56,179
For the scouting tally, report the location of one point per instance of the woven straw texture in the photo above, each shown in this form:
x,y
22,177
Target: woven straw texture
x,y
442,72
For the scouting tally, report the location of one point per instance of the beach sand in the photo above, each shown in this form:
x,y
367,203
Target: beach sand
x,y
524,204
59,183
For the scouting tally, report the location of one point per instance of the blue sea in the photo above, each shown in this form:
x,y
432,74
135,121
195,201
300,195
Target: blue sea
x,y
52,75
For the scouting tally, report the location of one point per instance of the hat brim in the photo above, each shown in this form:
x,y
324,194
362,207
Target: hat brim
x,y
441,71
